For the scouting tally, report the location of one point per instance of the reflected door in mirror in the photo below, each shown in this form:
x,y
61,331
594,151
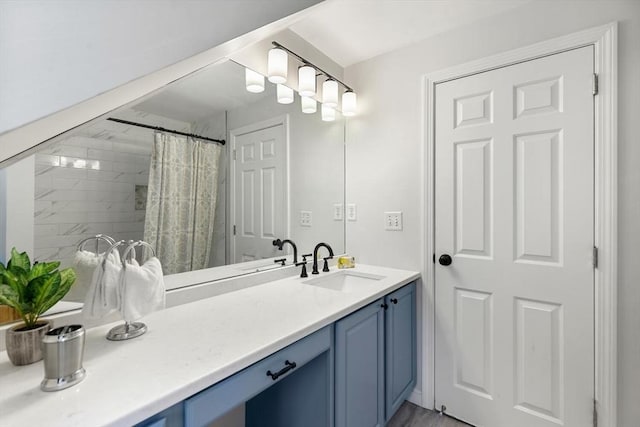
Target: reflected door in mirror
x,y
260,186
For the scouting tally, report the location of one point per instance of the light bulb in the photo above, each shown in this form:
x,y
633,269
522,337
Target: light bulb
x,y
328,113
330,93
306,80
349,103
285,94
309,105
277,66
254,81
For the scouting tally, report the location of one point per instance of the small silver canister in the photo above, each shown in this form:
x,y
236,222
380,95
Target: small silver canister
x,y
62,350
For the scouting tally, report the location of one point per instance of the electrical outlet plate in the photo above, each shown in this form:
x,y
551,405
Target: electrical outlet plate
x,y
352,212
393,221
306,219
338,214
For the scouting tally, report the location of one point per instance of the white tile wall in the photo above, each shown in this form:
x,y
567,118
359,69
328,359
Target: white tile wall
x,y
85,184
92,193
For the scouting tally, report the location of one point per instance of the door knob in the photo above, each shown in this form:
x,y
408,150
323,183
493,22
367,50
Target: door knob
x,y
445,260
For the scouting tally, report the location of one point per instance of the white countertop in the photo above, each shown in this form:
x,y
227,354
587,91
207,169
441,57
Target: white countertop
x,y
186,349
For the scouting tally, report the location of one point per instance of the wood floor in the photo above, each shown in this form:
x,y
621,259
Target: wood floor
x,y
410,415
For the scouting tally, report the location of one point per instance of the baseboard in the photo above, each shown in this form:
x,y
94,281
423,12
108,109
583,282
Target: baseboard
x,y
416,398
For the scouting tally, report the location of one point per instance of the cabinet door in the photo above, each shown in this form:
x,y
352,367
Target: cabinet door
x,y
400,347
359,382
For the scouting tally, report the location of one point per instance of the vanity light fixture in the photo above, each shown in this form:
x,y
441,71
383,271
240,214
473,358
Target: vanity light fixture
x,y
328,113
254,81
307,76
277,65
309,105
330,93
285,94
349,103
306,80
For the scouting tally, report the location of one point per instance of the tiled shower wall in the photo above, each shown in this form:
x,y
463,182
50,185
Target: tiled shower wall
x,y
85,186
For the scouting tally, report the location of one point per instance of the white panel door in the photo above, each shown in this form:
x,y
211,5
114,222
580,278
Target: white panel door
x,y
514,211
259,192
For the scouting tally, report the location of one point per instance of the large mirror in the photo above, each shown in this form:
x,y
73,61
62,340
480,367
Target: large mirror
x,y
278,174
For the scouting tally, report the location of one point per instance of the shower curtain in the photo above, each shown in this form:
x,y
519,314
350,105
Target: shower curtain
x,y
181,201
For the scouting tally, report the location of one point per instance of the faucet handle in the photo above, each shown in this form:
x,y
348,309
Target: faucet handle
x,y
282,261
325,267
304,257
303,272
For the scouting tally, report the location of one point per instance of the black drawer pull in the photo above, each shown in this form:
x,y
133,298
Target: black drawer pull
x,y
288,366
394,300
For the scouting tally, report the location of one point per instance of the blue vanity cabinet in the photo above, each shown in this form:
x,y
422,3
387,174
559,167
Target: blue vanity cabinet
x,y
400,347
353,373
359,368
208,405
375,350
304,398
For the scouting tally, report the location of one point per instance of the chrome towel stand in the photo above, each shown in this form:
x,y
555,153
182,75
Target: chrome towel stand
x,y
98,238
128,330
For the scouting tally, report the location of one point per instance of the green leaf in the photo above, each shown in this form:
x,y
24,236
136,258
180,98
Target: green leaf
x,y
43,289
15,281
32,290
8,296
42,268
68,276
19,260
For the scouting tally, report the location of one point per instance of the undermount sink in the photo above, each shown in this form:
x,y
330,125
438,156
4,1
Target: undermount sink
x,y
344,280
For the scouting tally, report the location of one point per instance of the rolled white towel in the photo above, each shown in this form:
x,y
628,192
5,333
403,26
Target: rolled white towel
x,y
103,296
142,289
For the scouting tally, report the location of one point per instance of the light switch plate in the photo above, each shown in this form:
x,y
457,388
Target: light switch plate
x,y
393,221
352,212
338,213
306,218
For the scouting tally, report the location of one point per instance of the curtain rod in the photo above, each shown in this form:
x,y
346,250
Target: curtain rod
x,y
161,129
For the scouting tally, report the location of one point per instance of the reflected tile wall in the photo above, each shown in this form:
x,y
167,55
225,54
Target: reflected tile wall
x,y
85,186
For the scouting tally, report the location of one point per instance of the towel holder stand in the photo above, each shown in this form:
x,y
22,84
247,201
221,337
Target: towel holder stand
x,y
131,248
128,330
97,238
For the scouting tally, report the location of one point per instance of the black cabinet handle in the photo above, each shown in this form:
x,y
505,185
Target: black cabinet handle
x,y
394,300
383,305
288,366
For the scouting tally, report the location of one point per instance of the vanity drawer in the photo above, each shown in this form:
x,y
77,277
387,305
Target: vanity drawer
x,y
209,404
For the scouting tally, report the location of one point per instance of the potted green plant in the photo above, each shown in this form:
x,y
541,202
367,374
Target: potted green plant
x,y
30,290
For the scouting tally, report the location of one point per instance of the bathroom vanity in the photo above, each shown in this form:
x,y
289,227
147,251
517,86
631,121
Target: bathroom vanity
x,y
299,351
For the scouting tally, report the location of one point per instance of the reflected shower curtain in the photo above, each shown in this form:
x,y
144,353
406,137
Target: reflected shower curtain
x,y
181,201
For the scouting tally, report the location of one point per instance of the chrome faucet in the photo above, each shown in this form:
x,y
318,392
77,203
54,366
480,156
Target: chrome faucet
x,y
315,258
280,243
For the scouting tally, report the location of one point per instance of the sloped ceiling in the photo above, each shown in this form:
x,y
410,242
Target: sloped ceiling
x,y
351,31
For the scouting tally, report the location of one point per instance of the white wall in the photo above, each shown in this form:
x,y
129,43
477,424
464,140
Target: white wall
x,y
384,147
56,53
16,208
316,169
